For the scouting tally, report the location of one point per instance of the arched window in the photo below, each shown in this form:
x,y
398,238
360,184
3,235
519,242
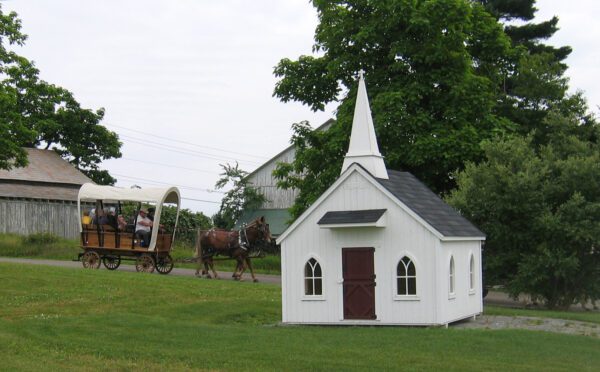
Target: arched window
x,y
451,276
472,273
406,275
313,278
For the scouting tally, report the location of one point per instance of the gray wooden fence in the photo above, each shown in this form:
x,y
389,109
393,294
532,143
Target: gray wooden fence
x,y
27,216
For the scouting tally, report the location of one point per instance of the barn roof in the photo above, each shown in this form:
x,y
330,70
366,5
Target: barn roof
x,y
47,176
430,207
45,166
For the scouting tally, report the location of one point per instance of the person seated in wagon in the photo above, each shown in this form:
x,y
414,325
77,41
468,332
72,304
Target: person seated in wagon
x,y
143,227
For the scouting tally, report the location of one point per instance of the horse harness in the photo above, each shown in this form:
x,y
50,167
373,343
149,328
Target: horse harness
x,y
242,240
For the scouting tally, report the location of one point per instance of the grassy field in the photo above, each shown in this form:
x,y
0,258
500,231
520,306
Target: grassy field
x,y
45,246
58,318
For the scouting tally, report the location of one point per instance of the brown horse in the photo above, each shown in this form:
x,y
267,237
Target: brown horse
x,y
235,244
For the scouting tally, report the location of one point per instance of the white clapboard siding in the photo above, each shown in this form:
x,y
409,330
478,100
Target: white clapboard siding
x,y
25,217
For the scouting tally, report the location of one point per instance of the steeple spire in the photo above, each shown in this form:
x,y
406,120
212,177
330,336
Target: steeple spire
x,y
363,147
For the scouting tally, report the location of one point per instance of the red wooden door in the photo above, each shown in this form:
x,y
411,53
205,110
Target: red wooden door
x,y
359,283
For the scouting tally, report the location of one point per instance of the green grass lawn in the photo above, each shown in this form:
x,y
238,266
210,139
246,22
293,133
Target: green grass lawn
x,y
45,246
58,318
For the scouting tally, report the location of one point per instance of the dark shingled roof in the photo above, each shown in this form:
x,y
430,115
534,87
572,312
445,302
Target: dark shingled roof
x,y
342,217
424,202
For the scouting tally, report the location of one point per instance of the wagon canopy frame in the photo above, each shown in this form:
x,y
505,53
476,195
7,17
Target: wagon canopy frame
x,y
90,192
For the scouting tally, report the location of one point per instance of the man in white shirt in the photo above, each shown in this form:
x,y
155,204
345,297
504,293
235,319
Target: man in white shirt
x,y
143,227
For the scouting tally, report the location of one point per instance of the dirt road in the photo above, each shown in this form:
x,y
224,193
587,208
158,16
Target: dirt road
x,y
271,279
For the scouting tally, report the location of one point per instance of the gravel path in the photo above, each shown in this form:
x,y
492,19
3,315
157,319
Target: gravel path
x,y
481,322
572,327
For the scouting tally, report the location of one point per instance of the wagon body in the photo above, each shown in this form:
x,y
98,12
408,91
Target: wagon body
x,y
108,244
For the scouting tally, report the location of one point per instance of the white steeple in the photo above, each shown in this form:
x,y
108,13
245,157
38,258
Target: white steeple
x,y
363,147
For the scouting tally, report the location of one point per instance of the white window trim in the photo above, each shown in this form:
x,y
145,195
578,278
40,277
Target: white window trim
x,y
451,278
313,298
472,279
398,297
406,297
306,297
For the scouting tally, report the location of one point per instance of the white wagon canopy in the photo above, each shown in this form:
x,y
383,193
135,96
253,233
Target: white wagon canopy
x,y
112,195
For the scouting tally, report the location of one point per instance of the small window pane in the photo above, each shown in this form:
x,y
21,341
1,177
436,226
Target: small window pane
x,y
308,287
402,286
412,286
411,269
451,275
307,270
318,271
472,274
401,270
318,287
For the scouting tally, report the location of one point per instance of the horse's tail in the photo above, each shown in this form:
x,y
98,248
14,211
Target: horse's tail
x,y
198,254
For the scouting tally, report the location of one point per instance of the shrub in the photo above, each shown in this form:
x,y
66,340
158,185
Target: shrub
x,y
40,238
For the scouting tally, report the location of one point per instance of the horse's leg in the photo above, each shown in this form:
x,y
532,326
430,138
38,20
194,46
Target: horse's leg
x,y
212,268
198,255
239,268
249,264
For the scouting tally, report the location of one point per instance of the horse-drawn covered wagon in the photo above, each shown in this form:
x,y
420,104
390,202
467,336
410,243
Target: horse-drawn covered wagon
x,y
110,237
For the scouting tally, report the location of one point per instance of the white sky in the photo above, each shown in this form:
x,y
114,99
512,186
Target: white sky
x,y
200,72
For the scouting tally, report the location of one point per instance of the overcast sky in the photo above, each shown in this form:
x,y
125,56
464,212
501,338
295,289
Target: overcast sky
x,y
188,84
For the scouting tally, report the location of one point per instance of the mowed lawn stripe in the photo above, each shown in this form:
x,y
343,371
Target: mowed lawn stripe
x,y
55,318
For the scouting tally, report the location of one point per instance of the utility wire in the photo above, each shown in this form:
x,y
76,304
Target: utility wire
x,y
169,184
187,143
170,165
201,200
183,151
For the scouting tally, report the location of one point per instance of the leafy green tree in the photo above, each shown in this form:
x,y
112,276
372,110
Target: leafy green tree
x,y
540,208
13,131
433,72
34,113
242,196
188,224
527,33
534,81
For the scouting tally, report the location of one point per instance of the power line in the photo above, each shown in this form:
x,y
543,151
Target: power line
x,y
169,184
170,165
201,200
183,151
187,143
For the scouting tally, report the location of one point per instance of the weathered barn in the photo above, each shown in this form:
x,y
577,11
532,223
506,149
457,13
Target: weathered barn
x,y
41,197
379,248
278,201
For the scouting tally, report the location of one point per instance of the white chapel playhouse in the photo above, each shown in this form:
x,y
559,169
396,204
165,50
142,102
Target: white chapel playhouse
x,y
379,247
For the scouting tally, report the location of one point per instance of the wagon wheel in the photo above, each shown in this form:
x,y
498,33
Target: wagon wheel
x,y
111,262
144,263
90,260
164,265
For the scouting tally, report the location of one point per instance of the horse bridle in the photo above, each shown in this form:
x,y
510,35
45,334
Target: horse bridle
x,y
243,236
